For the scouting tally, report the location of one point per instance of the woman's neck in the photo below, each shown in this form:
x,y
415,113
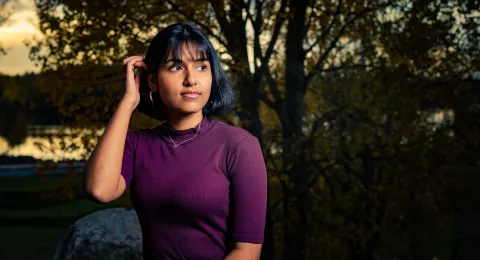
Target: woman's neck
x,y
182,122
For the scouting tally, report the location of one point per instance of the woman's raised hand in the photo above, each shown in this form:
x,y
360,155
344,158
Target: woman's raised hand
x,y
130,82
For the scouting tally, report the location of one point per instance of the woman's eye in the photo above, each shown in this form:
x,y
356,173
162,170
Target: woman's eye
x,y
175,68
202,68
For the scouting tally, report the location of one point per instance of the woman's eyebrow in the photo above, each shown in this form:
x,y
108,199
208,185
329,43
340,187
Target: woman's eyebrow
x,y
200,59
174,60
178,61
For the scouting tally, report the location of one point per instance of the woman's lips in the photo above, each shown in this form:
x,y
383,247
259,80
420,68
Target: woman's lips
x,y
191,94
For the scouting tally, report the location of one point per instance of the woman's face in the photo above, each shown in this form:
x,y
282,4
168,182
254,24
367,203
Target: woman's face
x,y
184,84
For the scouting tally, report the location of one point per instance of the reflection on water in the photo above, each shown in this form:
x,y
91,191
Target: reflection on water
x,y
30,169
53,149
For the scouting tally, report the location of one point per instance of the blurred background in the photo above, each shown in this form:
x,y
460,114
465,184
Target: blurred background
x,y
368,113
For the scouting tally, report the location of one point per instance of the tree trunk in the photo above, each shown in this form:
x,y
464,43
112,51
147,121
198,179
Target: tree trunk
x,y
249,111
268,243
295,236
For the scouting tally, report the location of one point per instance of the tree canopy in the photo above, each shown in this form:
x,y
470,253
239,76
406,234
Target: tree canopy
x,y
5,13
365,109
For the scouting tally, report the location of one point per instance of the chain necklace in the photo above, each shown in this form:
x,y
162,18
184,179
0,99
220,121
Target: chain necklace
x,y
176,145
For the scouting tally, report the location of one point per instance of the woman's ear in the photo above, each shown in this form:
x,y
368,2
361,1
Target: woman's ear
x,y
152,82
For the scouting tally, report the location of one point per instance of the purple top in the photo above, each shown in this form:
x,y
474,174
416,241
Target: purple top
x,y
194,200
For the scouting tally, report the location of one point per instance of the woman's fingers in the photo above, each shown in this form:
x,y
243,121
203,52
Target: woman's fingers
x,y
131,64
129,80
126,60
129,67
139,64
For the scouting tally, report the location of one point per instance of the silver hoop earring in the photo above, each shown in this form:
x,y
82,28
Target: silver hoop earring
x,y
153,106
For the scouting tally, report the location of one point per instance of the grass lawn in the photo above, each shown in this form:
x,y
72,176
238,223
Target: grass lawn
x,y
35,182
29,242
28,232
69,209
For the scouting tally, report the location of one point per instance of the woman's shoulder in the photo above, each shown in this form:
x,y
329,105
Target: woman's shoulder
x,y
142,135
232,134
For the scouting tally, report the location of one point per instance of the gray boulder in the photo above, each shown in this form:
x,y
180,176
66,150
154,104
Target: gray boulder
x,y
105,234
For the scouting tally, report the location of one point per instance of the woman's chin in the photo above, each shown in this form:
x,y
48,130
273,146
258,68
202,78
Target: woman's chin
x,y
186,110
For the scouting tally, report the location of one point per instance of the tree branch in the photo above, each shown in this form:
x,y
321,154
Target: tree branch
x,y
274,88
257,50
268,9
247,11
337,37
309,22
276,31
264,69
200,24
267,101
329,28
354,66
219,9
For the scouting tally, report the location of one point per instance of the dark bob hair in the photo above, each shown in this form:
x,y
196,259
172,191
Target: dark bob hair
x,y
171,40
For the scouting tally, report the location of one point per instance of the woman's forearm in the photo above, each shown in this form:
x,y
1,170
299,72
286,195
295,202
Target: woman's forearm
x,y
102,170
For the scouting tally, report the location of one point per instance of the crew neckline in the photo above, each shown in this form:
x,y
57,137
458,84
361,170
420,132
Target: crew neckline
x,y
180,135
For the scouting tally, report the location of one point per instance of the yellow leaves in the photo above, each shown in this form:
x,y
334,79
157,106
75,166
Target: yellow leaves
x,y
321,183
268,116
283,177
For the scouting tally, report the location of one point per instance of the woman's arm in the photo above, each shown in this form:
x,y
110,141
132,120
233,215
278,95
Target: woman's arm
x,y
103,181
245,251
248,188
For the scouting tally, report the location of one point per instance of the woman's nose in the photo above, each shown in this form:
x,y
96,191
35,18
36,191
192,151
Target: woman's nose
x,y
189,79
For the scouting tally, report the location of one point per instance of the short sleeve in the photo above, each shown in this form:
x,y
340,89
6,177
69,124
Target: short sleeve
x,y
248,192
128,159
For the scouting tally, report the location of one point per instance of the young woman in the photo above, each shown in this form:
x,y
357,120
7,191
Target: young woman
x,y
199,186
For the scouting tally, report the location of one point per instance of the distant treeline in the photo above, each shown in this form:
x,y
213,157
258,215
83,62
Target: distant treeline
x,y
22,103
4,160
8,161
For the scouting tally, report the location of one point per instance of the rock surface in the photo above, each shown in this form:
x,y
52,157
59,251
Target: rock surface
x,y
105,234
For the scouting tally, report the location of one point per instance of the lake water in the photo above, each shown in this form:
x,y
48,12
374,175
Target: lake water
x,y
53,149
53,152
31,169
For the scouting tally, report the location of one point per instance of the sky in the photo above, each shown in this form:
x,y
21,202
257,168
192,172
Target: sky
x,y
21,26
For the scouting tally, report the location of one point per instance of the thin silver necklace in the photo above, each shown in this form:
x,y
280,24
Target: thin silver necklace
x,y
176,145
